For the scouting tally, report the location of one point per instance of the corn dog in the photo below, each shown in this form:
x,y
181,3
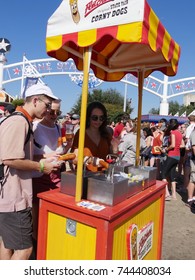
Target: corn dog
x,y
68,156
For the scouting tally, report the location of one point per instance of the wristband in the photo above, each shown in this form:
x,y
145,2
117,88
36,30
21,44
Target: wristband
x,y
41,166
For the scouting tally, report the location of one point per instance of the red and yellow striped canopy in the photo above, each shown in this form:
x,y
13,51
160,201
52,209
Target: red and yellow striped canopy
x,y
125,37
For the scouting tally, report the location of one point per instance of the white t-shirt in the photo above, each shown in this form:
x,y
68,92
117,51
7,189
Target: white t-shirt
x,y
189,130
45,136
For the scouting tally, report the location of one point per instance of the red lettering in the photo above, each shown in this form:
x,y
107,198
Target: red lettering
x,y
94,4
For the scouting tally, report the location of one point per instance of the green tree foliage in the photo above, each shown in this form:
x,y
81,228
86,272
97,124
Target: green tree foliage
x,y
18,102
174,108
112,100
154,111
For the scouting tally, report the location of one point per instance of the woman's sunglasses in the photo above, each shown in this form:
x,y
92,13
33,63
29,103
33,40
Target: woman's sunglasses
x,y
96,118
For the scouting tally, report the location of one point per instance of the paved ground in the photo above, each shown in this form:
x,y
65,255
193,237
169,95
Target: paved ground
x,y
179,230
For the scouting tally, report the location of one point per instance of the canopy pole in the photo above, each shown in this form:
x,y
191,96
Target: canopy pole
x,y
140,93
79,176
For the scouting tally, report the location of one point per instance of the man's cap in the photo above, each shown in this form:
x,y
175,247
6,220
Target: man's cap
x,y
38,89
10,108
75,117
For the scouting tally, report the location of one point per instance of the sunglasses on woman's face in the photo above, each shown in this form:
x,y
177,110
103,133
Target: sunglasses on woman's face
x,y
96,118
55,112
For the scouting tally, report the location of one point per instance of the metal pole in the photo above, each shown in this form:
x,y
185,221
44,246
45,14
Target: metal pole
x,y
2,62
164,105
125,97
79,177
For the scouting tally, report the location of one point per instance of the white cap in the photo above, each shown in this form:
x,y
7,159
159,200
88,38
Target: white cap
x,y
39,89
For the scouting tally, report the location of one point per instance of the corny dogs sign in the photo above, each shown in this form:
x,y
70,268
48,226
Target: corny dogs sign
x,y
94,14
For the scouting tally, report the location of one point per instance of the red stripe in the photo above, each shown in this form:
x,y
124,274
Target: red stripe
x,y
104,35
160,36
146,25
73,37
171,49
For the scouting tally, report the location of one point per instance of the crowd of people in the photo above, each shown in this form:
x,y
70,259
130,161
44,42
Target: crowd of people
x,y
168,146
32,165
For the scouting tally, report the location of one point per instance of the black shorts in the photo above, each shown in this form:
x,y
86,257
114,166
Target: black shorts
x,y
16,229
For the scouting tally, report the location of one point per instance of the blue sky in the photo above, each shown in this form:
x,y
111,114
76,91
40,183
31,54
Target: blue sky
x,y
24,25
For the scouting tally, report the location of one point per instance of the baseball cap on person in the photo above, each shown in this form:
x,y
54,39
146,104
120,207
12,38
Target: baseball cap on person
x,y
75,117
40,89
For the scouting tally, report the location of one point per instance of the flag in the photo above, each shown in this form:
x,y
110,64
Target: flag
x,y
192,113
177,114
29,82
183,115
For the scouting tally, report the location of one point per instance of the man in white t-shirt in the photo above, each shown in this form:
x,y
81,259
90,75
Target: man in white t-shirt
x,y
191,185
189,129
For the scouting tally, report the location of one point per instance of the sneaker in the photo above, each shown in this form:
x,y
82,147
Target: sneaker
x,y
191,203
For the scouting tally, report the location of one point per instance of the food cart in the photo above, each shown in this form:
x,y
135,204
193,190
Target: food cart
x,y
112,38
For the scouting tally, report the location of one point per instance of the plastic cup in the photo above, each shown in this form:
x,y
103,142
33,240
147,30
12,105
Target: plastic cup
x,y
69,132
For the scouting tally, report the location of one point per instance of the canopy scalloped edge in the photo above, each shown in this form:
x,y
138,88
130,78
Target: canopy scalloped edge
x,y
122,49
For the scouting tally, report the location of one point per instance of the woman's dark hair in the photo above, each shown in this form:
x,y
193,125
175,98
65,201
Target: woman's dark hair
x,y
172,124
148,131
103,128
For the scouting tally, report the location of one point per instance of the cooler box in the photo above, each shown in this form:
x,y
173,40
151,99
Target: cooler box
x,y
149,174
106,192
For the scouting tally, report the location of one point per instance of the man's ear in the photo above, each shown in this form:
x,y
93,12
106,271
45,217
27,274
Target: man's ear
x,y
35,100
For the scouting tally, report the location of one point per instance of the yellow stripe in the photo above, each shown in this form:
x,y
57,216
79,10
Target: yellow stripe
x,y
131,32
53,43
166,44
86,38
175,58
152,33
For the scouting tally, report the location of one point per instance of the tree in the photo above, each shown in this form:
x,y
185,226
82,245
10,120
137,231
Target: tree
x,y
112,100
174,108
18,102
154,111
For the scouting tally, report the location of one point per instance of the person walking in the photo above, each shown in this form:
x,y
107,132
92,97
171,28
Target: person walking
x,y
16,187
188,153
191,184
173,157
128,143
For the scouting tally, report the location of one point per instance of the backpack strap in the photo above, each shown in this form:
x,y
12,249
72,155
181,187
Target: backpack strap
x,y
29,125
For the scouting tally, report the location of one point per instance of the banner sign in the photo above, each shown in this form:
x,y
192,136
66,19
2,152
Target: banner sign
x,y
139,243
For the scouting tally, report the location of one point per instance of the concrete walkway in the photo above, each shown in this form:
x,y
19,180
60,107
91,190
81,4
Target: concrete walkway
x,y
179,230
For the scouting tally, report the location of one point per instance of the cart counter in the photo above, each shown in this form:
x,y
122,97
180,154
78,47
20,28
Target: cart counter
x,y
131,229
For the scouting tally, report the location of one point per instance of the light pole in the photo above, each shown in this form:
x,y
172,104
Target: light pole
x,y
4,47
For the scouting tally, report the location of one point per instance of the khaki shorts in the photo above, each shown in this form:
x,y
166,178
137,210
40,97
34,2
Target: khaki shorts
x,y
192,171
